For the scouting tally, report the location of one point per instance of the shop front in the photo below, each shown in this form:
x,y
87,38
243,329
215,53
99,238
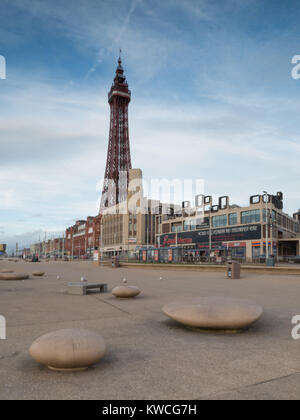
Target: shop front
x,y
236,250
225,243
288,249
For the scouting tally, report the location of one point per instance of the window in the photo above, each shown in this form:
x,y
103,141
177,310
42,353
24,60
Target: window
x,y
186,225
165,228
232,219
269,215
279,219
195,223
176,227
218,221
255,251
251,216
189,224
239,252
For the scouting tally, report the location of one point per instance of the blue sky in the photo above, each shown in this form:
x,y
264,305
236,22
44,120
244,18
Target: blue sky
x,y
212,98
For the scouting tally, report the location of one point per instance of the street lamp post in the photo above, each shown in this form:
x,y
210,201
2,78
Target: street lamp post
x,y
101,242
209,223
267,226
63,247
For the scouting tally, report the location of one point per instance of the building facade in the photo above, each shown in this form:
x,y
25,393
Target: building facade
x,y
83,238
36,249
129,225
224,230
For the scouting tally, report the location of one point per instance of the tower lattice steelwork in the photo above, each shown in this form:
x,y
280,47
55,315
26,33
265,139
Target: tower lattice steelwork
x,y
118,155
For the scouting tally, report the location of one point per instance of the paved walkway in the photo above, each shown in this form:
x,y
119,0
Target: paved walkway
x,y
149,356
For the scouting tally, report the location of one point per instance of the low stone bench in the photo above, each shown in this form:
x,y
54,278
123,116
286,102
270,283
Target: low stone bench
x,y
81,287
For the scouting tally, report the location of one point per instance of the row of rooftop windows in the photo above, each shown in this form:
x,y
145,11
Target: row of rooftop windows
x,y
246,217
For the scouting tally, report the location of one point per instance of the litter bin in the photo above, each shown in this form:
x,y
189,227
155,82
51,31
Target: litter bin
x,y
115,262
271,262
233,270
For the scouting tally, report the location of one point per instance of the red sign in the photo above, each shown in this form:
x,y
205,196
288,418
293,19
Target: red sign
x,y
235,244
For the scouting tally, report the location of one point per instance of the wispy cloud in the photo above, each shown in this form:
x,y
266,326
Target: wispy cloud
x,y
117,42
212,98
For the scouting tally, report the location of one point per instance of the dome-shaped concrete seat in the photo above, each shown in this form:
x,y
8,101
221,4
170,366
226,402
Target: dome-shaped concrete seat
x,y
216,313
38,273
69,349
126,291
13,276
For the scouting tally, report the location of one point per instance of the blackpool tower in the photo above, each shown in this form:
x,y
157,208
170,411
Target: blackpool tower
x,y
118,160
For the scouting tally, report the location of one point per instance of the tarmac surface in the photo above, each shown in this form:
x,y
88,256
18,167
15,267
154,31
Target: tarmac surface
x,y
148,355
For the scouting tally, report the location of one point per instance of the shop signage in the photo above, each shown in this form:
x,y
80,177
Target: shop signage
x,y
234,244
230,234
